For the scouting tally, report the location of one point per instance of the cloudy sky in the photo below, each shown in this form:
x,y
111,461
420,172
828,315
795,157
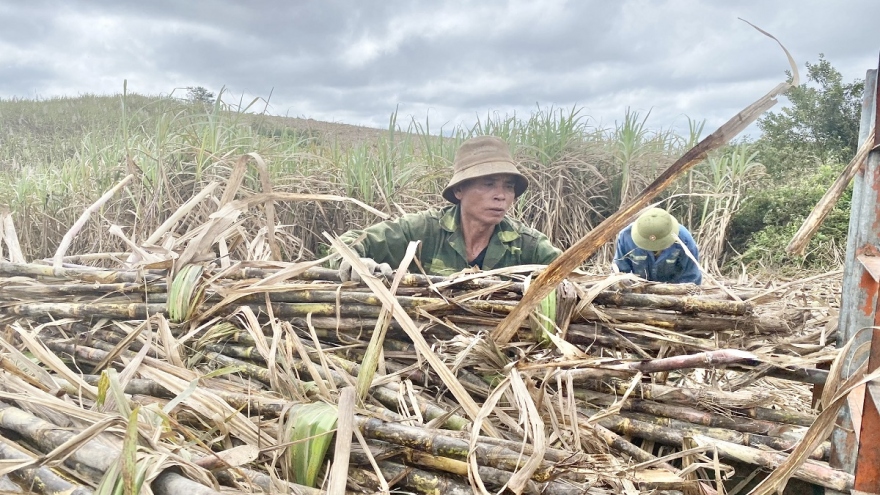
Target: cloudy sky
x,y
446,62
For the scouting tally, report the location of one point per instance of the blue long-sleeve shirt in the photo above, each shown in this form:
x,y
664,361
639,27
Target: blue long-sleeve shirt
x,y
672,265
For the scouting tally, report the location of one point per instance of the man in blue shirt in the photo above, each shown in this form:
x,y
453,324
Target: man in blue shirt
x,y
649,248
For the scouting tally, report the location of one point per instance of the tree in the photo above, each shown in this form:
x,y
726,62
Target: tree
x,y
199,94
821,126
803,148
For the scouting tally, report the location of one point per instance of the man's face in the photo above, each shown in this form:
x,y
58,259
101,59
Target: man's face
x,y
487,199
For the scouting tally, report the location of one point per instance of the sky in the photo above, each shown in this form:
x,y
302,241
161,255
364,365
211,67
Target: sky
x,y
440,63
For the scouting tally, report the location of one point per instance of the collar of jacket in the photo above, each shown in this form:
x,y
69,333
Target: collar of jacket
x,y
452,216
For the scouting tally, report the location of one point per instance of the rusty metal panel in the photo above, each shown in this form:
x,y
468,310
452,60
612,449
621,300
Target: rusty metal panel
x,y
867,468
871,263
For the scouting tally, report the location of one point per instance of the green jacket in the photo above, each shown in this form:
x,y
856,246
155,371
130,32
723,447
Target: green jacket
x,y
442,249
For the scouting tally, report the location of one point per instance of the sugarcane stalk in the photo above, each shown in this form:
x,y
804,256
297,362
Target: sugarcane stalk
x,y
691,429
435,443
76,352
680,323
411,304
266,483
686,305
41,479
54,291
493,478
778,415
385,394
708,359
466,378
811,471
169,483
443,446
410,478
92,458
690,414
665,393
817,473
33,270
122,311
9,487
812,376
408,280
660,289
734,401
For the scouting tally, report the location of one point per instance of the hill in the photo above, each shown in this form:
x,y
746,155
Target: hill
x,y
58,156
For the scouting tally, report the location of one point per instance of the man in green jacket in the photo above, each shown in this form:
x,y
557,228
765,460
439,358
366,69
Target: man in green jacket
x,y
473,231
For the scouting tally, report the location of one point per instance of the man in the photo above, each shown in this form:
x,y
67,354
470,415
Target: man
x,y
473,231
648,248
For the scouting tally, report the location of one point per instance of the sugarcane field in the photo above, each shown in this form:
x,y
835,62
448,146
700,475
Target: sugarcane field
x,y
201,298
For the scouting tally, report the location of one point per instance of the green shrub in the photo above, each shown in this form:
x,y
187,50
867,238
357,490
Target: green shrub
x,y
767,222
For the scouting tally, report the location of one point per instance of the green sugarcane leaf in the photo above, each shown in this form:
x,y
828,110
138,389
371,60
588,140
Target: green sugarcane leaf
x,y
184,293
310,430
129,455
110,379
543,321
103,386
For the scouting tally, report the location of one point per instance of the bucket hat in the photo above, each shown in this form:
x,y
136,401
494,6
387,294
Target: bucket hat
x,y
479,157
655,230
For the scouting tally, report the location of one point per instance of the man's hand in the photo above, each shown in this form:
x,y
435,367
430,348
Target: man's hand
x,y
346,272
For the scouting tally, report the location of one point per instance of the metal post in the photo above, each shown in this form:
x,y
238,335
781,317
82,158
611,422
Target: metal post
x,y
859,296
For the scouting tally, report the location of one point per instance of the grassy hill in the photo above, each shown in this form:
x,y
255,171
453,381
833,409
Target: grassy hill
x,y
58,156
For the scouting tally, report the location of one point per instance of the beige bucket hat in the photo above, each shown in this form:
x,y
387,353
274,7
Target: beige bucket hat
x,y
479,157
655,230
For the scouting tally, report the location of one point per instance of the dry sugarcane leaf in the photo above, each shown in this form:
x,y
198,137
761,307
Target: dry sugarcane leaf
x,y
51,361
615,408
81,221
483,414
528,414
21,391
76,441
218,224
339,470
225,217
449,380
19,364
833,398
173,348
209,405
111,394
811,224
146,257
294,340
120,347
562,266
175,217
10,237
229,458
371,360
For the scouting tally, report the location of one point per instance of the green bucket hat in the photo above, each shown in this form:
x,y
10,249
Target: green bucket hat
x,y
479,157
655,230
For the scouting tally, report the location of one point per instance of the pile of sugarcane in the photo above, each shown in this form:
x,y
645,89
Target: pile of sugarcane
x,y
277,377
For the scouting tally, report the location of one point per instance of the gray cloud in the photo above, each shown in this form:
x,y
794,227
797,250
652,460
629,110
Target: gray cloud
x,y
452,62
